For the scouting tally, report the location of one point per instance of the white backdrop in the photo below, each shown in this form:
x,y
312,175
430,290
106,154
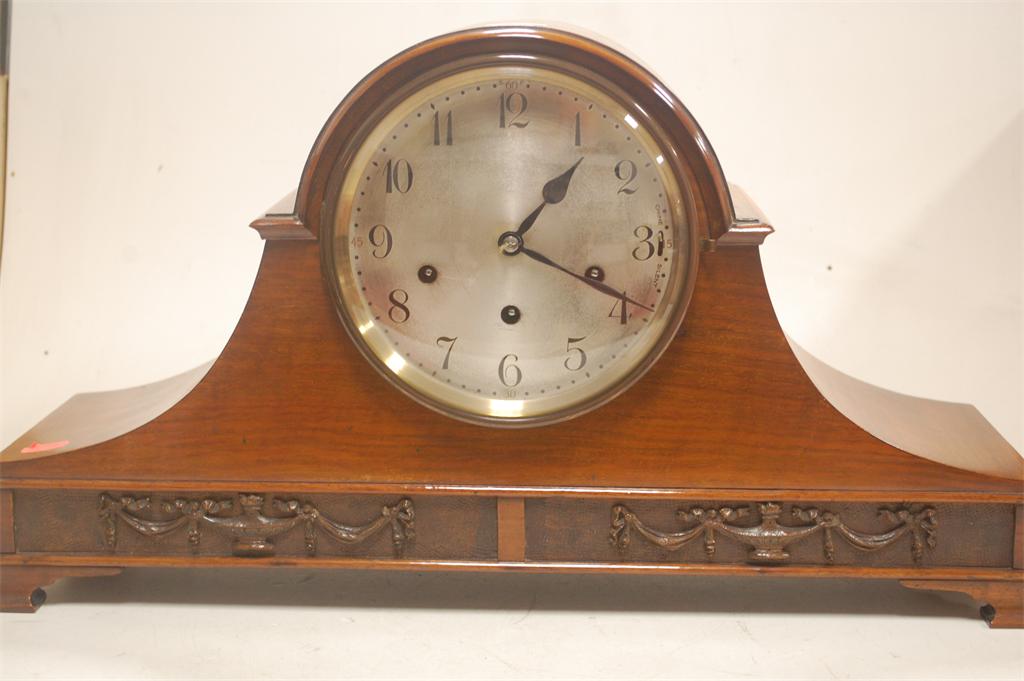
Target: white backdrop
x,y
883,140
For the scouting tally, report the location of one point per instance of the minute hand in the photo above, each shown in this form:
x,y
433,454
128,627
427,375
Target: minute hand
x,y
600,286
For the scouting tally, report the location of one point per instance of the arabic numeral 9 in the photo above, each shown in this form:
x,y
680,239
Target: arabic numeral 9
x,y
380,237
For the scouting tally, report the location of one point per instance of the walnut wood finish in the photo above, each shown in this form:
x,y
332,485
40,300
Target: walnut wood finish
x,y
6,521
511,529
1003,602
21,587
316,563
89,418
728,407
1018,540
293,422
950,433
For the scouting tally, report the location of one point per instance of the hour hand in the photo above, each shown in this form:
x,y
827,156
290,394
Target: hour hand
x,y
554,191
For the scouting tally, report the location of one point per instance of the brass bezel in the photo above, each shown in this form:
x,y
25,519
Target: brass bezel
x,y
683,210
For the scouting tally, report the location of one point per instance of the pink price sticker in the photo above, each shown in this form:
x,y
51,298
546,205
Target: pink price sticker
x,y
37,447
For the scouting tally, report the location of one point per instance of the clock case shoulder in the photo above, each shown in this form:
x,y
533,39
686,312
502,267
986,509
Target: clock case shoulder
x,y
733,405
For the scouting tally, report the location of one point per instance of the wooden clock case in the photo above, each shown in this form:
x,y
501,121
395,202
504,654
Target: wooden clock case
x,y
291,451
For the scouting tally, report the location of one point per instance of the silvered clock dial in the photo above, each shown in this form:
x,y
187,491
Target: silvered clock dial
x,y
509,245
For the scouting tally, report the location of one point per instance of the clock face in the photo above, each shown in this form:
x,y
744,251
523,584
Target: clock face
x,y
510,246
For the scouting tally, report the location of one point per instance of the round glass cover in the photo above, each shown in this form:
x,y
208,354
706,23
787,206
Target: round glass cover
x,y
510,245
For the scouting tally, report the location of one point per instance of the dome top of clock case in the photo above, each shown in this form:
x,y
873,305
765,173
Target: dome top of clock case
x,y
510,221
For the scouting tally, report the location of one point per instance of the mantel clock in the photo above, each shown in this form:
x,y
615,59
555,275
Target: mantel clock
x,y
514,318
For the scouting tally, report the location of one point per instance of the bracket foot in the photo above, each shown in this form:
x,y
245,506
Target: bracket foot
x,y
21,587
1003,601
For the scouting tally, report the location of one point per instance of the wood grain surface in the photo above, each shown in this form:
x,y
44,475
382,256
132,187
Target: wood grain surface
x,y
290,401
1003,601
6,521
